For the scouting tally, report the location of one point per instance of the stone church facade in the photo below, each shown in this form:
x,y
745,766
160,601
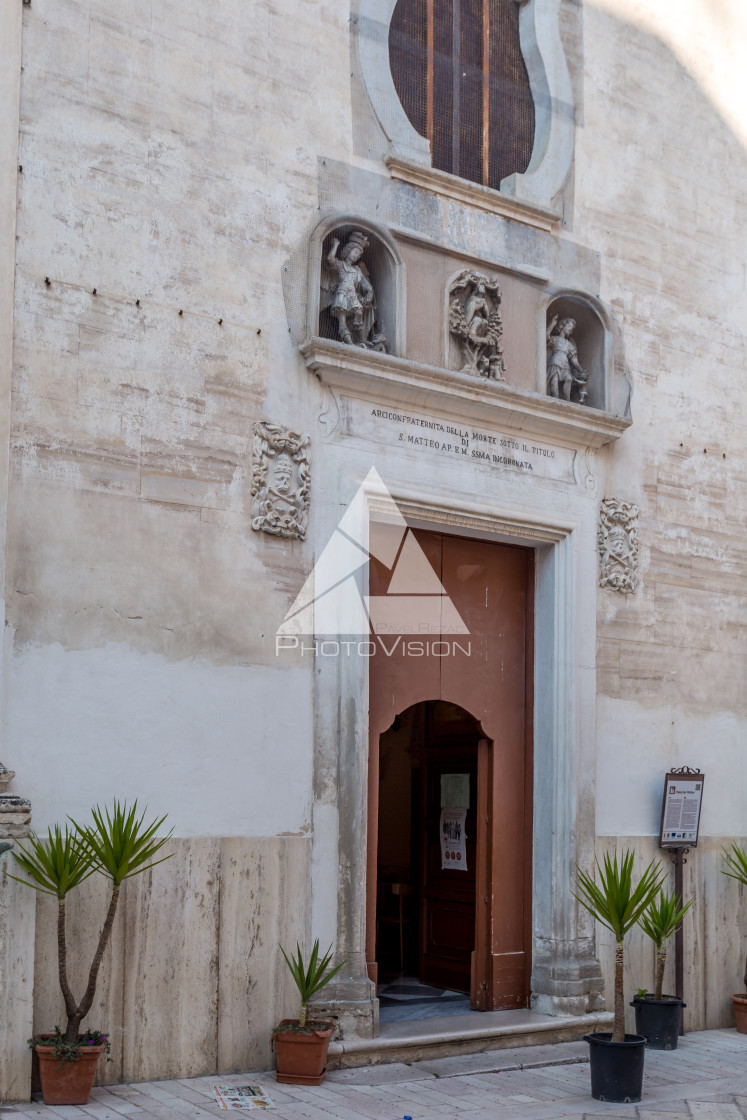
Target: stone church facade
x,y
286,284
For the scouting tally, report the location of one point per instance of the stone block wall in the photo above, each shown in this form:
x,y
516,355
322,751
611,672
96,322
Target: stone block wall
x,y
193,981
715,938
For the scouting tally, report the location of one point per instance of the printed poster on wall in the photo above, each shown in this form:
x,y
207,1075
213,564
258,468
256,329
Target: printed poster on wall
x,y
453,839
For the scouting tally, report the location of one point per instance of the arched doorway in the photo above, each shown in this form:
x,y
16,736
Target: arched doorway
x,y
465,724
426,870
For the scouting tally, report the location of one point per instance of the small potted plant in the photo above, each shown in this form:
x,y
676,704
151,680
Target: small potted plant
x,y
301,1044
117,845
617,1058
658,1016
735,866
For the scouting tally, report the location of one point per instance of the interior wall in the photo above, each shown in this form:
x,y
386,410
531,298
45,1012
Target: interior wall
x,y
395,801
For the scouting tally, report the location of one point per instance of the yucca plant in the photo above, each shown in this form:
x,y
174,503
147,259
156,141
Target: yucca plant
x,y
618,905
735,866
117,845
660,920
312,977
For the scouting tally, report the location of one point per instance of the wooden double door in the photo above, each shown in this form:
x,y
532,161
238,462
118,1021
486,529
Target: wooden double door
x,y
461,712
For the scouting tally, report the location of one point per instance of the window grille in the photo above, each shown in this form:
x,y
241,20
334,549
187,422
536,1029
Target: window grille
x,y
460,75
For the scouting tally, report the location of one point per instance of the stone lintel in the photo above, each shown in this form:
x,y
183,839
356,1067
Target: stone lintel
x,y
451,393
472,194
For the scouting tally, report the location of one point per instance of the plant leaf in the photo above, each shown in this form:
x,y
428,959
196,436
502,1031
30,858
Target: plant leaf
x,y
735,863
120,845
56,864
663,917
613,900
314,976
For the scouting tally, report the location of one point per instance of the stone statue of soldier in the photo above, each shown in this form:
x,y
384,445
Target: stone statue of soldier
x,y
348,292
564,371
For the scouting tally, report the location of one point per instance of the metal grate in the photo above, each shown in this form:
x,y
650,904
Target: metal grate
x,y
460,75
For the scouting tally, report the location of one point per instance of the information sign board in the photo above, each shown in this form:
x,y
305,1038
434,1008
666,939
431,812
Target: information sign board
x,y
680,809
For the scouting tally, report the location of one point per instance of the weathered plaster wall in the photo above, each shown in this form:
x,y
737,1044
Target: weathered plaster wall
x,y
179,156
659,162
188,737
672,659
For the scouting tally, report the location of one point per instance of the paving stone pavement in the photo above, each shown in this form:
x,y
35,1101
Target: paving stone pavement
x,y
704,1079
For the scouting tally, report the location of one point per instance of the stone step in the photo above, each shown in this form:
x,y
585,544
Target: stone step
x,y
449,1036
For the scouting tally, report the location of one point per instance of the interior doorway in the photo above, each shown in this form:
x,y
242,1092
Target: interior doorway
x,y
426,889
450,783
426,911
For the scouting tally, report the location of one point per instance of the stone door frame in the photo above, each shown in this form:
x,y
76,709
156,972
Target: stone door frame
x,y
566,978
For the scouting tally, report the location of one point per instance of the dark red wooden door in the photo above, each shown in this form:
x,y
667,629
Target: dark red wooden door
x,y
447,894
488,673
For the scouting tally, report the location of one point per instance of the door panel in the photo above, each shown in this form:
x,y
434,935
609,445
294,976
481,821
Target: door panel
x,y
491,587
447,894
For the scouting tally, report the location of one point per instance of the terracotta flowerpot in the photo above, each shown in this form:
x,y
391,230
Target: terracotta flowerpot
x,y
740,1011
67,1082
302,1055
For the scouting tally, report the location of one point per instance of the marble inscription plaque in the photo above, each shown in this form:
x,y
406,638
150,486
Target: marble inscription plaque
x,y
424,434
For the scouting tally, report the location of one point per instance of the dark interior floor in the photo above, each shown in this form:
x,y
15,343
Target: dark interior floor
x,y
403,997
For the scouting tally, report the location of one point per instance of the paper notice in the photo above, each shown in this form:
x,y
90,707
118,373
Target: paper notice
x,y
453,839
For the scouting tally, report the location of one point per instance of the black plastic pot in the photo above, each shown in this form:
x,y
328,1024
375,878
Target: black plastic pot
x,y
659,1020
616,1067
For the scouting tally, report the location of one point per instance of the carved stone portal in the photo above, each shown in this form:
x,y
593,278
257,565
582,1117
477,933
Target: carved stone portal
x,y
617,539
280,481
475,324
348,292
15,811
565,377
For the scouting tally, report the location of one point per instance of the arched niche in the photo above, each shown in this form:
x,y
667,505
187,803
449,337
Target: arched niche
x,y
383,264
592,335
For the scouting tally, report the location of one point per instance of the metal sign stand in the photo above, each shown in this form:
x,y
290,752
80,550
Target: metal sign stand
x,y
669,833
678,859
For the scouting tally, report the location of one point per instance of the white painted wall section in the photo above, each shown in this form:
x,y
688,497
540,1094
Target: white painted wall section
x,y
225,751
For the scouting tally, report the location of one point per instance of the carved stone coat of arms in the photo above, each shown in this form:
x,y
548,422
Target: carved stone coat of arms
x,y
280,481
617,539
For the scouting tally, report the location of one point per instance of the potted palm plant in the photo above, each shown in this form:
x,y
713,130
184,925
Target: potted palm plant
x,y
117,845
658,1016
301,1044
617,1058
735,866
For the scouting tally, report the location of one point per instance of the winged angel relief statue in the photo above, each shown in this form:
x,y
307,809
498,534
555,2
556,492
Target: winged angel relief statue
x,y
349,294
475,323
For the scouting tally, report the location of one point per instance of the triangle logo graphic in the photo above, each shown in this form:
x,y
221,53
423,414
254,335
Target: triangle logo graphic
x,y
332,602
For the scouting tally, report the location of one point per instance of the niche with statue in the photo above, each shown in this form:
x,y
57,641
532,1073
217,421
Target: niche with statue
x,y
577,344
358,280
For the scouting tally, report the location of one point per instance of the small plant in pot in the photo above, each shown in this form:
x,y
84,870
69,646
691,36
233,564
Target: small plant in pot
x,y
735,866
301,1044
617,1058
658,1016
117,845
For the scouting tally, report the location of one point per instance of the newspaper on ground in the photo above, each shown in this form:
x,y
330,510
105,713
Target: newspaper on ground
x,y
241,1098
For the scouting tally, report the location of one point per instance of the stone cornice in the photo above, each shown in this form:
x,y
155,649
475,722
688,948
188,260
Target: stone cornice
x,y
450,393
472,194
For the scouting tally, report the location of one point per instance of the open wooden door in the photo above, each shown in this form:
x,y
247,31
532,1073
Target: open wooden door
x,y
488,673
447,893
